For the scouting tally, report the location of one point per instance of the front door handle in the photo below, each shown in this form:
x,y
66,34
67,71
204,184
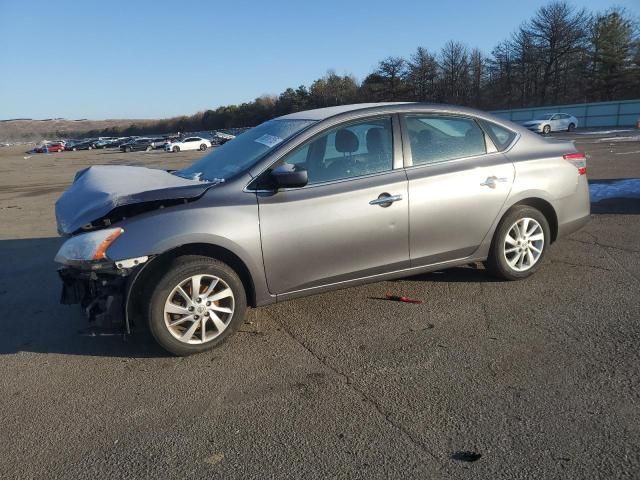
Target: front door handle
x,y
385,200
491,181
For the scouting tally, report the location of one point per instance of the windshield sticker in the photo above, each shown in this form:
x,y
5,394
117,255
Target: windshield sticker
x,y
269,140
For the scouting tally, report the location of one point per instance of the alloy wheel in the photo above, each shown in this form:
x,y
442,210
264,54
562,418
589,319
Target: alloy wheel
x,y
523,244
199,309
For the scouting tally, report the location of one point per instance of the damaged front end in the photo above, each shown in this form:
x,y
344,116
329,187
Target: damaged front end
x,y
99,284
99,198
102,291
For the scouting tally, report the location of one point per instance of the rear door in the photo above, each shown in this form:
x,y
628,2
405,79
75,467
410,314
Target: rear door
x,y
350,221
458,183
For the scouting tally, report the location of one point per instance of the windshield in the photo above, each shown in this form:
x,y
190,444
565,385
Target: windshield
x,y
544,116
240,154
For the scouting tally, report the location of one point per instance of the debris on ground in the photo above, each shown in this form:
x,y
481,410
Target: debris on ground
x,y
402,299
214,459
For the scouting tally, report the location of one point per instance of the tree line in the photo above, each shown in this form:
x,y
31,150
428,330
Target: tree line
x,y
562,55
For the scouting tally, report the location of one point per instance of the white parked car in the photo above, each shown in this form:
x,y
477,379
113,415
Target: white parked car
x,y
552,122
189,143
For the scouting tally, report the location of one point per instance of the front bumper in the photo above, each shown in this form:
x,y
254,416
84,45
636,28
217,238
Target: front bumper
x,y
100,294
534,128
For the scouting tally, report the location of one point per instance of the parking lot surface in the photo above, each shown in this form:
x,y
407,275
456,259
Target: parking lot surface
x,y
486,379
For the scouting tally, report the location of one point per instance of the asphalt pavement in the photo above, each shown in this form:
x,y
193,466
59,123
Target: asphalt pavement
x,y
485,379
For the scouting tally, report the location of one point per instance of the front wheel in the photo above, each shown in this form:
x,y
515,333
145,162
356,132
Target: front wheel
x,y
149,148
196,305
176,149
519,243
546,129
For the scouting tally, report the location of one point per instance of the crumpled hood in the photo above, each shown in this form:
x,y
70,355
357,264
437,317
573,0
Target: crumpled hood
x,y
98,190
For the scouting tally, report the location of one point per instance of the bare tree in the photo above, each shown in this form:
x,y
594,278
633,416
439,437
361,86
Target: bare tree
x,y
454,65
422,74
500,83
477,76
392,71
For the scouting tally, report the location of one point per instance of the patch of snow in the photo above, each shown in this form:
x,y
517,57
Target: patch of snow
x,y
628,188
604,132
632,138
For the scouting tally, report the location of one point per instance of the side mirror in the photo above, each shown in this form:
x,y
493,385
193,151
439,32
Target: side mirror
x,y
290,176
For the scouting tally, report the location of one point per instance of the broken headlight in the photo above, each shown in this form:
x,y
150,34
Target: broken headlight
x,y
90,246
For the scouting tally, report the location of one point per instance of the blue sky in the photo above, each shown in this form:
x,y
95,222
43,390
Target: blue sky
x,y
150,59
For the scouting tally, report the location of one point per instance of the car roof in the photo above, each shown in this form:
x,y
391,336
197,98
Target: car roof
x,y
320,114
323,113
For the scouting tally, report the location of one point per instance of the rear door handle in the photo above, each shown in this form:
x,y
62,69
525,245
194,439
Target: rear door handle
x,y
385,200
491,181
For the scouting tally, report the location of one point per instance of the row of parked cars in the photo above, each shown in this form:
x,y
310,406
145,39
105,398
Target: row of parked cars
x,y
169,143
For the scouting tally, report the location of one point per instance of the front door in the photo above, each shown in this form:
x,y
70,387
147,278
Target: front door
x,y
350,221
456,188
558,122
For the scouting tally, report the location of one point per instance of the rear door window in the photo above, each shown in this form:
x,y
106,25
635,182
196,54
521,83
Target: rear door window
x,y
437,138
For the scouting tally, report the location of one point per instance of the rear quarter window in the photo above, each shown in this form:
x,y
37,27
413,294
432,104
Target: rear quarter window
x,y
502,137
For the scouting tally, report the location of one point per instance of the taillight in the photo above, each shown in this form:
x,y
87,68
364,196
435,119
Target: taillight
x,y
579,160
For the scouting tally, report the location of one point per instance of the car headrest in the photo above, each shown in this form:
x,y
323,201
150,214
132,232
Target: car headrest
x,y
346,141
472,133
374,140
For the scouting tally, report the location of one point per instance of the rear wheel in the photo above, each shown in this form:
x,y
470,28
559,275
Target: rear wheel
x,y
519,243
196,305
546,129
572,127
149,148
203,147
128,149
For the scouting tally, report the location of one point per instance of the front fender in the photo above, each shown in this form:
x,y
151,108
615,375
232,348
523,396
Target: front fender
x,y
234,227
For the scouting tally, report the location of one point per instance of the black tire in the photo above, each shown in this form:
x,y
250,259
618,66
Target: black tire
x,y
176,149
127,149
546,129
571,128
180,269
203,147
497,262
149,148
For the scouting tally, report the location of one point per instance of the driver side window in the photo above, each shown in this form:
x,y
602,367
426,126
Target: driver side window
x,y
347,151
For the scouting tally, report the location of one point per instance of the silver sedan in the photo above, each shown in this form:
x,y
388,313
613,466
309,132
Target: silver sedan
x,y
310,202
